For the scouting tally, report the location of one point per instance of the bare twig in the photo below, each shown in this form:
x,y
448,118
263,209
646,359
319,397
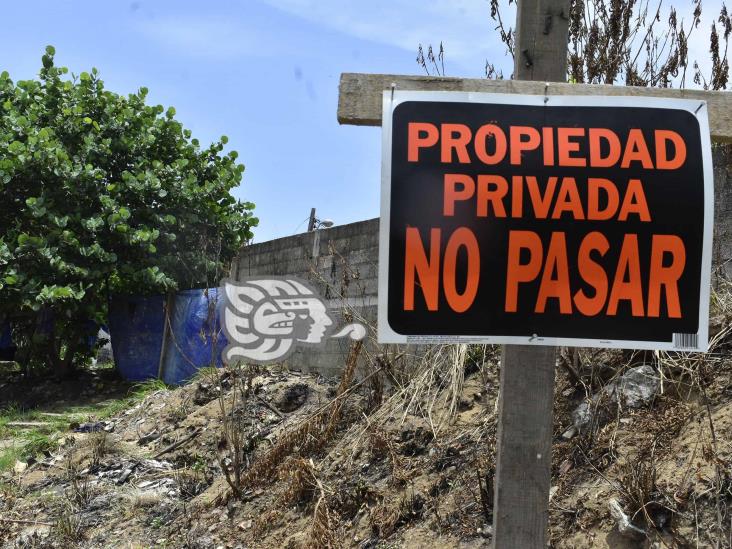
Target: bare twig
x,y
178,443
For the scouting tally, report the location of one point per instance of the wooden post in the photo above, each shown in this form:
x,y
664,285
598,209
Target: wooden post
x,y
523,468
311,221
524,453
167,313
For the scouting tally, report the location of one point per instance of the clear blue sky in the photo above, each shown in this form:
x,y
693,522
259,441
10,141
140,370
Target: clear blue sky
x,y
265,73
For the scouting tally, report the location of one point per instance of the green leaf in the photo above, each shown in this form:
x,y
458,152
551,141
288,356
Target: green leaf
x,y
16,147
93,224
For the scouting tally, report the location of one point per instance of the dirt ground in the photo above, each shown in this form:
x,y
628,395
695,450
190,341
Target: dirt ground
x,y
386,458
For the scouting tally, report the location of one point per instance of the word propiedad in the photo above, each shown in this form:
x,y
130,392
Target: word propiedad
x,y
559,146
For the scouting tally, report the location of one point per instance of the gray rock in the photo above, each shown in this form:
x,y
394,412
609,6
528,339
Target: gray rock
x,y
638,386
635,388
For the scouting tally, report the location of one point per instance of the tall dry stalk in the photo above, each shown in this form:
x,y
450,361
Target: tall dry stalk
x,y
232,407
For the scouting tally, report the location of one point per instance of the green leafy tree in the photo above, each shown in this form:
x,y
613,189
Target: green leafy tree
x,y
102,194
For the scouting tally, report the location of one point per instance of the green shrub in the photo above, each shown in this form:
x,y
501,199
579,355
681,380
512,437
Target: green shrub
x,y
102,194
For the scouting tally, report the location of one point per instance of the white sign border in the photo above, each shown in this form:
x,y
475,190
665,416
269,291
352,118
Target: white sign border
x,y
392,98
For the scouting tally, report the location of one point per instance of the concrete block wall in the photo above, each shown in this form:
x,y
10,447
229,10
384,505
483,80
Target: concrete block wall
x,y
341,263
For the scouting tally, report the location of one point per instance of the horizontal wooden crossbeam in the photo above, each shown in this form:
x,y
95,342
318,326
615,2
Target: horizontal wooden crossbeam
x,y
360,97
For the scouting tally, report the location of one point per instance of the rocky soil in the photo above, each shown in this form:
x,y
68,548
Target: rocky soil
x,y
389,458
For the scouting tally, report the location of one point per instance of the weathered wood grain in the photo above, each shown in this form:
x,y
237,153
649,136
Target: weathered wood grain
x,y
526,398
523,455
359,102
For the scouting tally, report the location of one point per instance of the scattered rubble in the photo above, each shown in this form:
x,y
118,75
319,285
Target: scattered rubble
x,y
324,464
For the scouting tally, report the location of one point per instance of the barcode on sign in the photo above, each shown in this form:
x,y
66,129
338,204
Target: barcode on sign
x,y
686,341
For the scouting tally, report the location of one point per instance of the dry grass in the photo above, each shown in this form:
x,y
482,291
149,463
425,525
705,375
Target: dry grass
x,y
391,514
381,445
67,529
641,494
265,523
302,486
433,393
310,435
325,532
298,476
190,482
80,490
100,447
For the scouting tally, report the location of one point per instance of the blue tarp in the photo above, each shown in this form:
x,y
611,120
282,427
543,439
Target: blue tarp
x,y
6,338
195,339
136,330
7,347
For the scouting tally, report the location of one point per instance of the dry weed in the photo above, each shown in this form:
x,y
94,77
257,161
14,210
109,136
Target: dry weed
x,y
325,532
232,442
298,475
390,515
67,528
381,445
433,393
643,499
99,446
310,435
485,473
80,490
265,522
190,482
